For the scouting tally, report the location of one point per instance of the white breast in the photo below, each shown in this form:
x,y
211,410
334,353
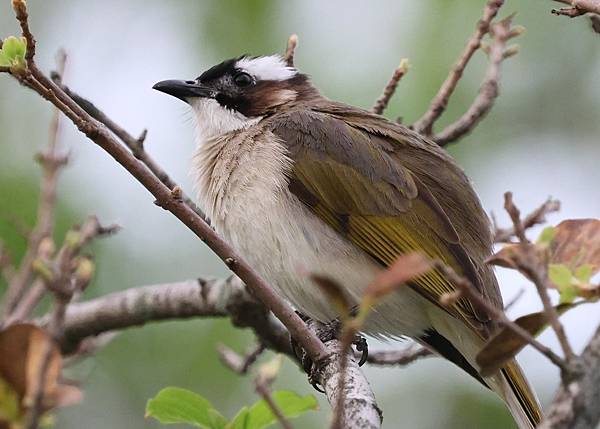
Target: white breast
x,y
242,186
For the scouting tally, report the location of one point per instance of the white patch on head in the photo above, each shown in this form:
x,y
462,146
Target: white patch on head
x,y
267,68
214,120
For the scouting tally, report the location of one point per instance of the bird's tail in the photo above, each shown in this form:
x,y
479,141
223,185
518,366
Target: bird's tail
x,y
512,386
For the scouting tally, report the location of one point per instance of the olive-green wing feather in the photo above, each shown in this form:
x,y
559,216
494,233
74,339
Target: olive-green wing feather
x,y
357,179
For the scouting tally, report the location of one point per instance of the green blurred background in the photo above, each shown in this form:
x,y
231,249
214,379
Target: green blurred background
x,y
542,138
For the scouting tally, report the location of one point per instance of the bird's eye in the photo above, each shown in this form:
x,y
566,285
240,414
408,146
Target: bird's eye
x,y
243,79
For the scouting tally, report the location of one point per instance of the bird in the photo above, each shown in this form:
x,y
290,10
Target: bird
x,y
297,182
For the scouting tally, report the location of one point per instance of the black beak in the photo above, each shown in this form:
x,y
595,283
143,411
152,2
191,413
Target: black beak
x,y
184,89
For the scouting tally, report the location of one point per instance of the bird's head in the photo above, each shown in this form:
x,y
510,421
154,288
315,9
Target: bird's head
x,y
239,92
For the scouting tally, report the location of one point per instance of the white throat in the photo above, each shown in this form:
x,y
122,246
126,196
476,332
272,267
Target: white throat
x,y
214,120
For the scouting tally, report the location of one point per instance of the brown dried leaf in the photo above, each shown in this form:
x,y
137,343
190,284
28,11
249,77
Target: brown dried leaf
x,y
22,348
505,344
525,258
576,242
405,268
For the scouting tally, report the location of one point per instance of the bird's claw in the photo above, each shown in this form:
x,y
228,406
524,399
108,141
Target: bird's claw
x,y
329,332
361,345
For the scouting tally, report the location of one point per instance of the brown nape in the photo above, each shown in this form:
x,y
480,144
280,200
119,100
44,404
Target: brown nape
x,y
270,95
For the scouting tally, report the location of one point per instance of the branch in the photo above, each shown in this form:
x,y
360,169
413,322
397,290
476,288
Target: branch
x,y
135,144
51,162
183,300
577,7
398,357
360,409
466,288
536,217
389,90
439,103
290,50
489,90
100,135
219,298
539,277
575,406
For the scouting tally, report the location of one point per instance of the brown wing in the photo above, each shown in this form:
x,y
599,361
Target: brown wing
x,y
354,172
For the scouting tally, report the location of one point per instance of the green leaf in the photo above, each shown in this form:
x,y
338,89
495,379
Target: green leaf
x,y
13,51
175,405
560,275
3,59
240,421
547,235
291,405
584,273
565,281
9,404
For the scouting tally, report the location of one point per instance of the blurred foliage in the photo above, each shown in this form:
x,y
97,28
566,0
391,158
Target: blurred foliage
x,y
549,101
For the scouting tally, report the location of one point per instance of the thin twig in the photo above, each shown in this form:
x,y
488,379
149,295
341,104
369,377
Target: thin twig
x,y
7,269
438,105
389,90
51,162
577,7
536,217
465,287
235,362
515,217
290,50
489,90
539,277
540,280
20,8
514,299
265,392
64,283
398,357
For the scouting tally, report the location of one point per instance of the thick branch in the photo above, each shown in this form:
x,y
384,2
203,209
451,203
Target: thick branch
x,y
360,409
172,202
577,403
192,298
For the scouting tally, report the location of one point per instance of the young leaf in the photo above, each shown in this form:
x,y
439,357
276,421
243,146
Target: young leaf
x,y
547,235
240,421
260,416
13,51
561,275
175,405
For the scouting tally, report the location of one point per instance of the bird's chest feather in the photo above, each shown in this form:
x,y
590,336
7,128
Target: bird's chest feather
x,y
243,187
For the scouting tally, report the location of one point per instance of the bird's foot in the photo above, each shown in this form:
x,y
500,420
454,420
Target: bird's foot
x,y
326,332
